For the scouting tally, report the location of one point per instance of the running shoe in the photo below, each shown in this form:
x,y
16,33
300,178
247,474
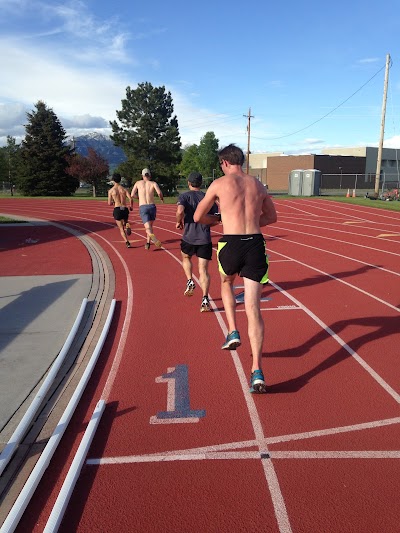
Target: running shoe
x,y
205,305
128,244
147,246
190,286
232,341
128,228
155,240
257,382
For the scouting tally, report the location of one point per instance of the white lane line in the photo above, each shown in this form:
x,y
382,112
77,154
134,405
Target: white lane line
x,y
374,454
333,431
362,210
219,448
369,248
269,470
230,456
342,343
397,309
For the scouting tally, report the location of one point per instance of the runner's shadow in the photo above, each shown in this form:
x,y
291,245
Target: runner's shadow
x,y
323,278
377,328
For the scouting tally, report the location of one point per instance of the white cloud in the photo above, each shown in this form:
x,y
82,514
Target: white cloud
x,y
369,60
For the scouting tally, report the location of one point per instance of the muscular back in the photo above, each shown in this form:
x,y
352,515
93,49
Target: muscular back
x,y
241,199
145,190
118,195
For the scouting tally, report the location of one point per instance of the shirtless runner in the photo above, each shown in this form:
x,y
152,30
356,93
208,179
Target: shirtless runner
x,y
118,196
144,190
245,207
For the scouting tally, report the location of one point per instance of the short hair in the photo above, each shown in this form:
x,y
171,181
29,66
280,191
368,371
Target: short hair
x,y
116,177
233,154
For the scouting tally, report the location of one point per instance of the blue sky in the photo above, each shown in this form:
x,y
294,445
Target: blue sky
x,y
292,63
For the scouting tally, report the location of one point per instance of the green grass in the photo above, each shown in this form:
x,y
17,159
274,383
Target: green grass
x,y
380,204
6,220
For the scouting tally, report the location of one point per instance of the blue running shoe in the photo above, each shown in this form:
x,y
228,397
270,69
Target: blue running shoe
x,y
257,382
232,341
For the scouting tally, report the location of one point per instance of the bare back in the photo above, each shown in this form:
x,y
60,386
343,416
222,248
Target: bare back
x,y
145,190
118,196
240,198
244,203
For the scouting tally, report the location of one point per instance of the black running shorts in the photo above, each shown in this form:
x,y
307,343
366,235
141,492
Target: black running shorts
x,y
204,251
244,255
121,213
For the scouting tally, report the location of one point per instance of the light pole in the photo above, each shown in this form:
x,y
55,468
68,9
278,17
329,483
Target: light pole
x,y
341,176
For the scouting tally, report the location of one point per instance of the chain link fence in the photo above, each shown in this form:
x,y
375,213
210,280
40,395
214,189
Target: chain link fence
x,y
359,184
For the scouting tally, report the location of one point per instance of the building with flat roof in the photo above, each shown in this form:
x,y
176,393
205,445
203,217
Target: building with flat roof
x,y
340,167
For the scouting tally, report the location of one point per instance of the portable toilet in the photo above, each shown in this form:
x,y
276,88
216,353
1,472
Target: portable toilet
x,y
295,182
311,182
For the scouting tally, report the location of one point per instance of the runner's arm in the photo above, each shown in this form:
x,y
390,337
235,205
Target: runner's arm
x,y
180,213
158,190
134,193
130,199
268,212
110,199
201,214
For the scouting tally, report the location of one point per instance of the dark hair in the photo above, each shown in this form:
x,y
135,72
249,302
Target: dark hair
x,y
116,177
233,154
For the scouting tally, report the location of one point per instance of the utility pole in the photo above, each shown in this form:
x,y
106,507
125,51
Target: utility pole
x,y
379,158
249,116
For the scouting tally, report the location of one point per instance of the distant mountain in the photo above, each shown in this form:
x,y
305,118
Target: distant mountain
x,y
103,145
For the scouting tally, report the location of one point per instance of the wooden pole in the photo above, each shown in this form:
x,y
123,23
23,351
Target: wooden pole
x,y
249,116
380,148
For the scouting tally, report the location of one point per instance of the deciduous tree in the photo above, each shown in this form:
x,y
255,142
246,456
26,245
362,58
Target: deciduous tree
x,y
92,169
190,160
208,156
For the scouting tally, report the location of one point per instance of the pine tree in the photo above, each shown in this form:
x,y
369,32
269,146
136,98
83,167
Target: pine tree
x,y
44,154
149,135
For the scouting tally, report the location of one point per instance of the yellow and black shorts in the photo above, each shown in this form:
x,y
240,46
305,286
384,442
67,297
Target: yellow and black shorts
x,y
244,255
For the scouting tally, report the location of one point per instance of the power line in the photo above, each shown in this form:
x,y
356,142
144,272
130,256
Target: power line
x,y
327,114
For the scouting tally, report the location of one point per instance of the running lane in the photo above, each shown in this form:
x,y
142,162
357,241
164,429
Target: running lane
x,y
183,446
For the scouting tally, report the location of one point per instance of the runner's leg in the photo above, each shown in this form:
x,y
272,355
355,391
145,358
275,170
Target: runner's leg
x,y
255,322
229,300
204,275
187,265
120,224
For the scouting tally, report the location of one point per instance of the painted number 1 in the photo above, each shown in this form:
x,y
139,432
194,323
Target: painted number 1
x,y
178,400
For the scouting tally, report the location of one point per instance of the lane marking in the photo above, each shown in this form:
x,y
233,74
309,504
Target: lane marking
x,y
178,398
344,345
229,456
207,451
357,222
397,309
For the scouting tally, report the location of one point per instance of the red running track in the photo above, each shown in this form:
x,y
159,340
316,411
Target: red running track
x,y
182,445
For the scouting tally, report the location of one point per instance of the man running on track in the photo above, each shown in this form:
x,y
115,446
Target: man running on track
x,y
118,197
196,239
144,190
245,207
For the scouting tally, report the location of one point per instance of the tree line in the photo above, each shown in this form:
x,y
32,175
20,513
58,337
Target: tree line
x,y
47,164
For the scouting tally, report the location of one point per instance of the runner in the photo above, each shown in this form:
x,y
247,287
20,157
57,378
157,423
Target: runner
x,y
196,239
245,207
118,197
144,190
